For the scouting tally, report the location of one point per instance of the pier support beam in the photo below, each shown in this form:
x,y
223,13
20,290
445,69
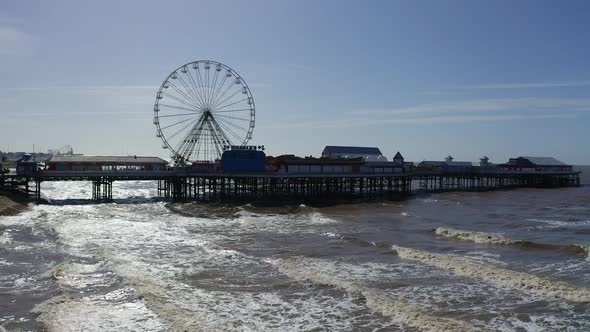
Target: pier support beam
x,y
102,189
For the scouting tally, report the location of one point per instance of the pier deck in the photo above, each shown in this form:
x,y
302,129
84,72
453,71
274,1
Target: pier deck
x,y
183,185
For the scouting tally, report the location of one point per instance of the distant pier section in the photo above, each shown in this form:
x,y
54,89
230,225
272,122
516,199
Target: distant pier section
x,y
247,174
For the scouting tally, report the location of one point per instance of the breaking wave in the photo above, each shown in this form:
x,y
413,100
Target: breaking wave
x,y
477,237
559,223
491,273
398,310
497,239
496,275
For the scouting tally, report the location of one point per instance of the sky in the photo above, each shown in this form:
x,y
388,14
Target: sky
x,y
426,78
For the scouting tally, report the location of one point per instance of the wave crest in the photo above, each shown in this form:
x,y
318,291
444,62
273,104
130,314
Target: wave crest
x,y
398,310
496,239
496,275
477,237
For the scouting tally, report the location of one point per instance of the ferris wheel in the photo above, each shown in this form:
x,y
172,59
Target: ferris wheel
x,y
201,108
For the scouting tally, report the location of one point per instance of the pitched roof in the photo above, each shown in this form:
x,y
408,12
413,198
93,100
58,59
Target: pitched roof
x,y
545,161
352,150
126,160
398,156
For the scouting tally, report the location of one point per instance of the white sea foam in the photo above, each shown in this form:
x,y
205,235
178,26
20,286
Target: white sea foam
x,y
115,311
174,264
497,275
400,311
5,237
536,323
477,237
80,276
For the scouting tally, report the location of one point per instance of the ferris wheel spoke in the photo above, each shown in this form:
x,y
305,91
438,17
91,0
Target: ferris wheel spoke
x,y
233,125
181,101
198,144
195,91
189,90
206,84
201,82
174,115
232,117
179,131
216,93
228,105
177,123
212,89
217,141
186,141
194,85
228,99
220,131
234,110
194,110
229,87
197,85
233,133
202,148
188,98
238,138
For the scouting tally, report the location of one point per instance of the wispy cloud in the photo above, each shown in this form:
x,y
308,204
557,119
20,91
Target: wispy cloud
x,y
539,85
440,119
65,101
462,111
487,105
81,88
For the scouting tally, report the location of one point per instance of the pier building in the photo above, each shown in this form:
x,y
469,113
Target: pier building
x,y
290,164
28,166
451,166
536,164
243,160
82,163
348,152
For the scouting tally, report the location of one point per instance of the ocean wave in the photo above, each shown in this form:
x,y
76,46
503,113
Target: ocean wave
x,y
115,311
496,275
491,273
561,223
497,239
477,237
5,236
400,311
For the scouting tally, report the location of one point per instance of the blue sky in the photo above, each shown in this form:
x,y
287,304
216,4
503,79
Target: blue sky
x,y
427,78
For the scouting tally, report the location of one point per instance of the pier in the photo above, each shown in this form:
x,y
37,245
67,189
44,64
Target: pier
x,y
243,187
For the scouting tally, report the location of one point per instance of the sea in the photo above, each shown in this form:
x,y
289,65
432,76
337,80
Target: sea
x,y
507,260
